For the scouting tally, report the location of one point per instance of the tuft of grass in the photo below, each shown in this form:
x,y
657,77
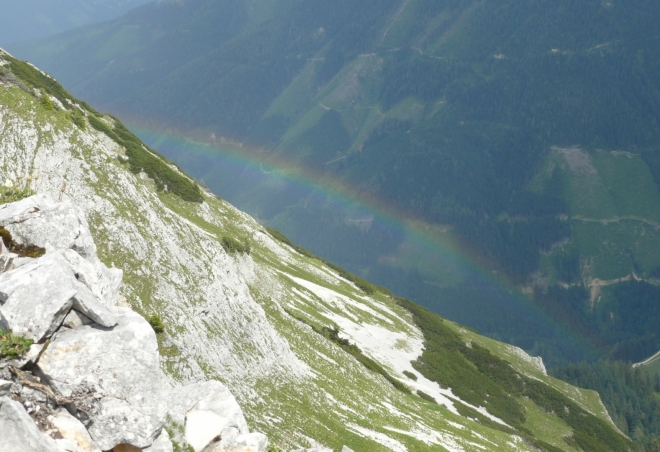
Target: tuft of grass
x,y
156,323
176,431
13,346
13,194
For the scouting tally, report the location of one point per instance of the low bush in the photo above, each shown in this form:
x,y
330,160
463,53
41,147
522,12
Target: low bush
x,y
13,346
45,100
426,397
156,323
410,375
232,246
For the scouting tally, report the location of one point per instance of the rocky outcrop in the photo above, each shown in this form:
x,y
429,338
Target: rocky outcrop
x,y
114,375
212,419
19,432
38,220
92,381
36,297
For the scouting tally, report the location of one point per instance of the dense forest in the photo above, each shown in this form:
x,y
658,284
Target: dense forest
x,y
632,396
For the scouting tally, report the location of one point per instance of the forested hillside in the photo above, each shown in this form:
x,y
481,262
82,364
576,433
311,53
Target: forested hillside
x,y
525,132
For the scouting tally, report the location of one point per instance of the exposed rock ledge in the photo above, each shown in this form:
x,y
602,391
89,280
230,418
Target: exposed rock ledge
x,y
92,382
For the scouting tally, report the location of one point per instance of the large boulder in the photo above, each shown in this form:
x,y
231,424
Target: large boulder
x,y
36,297
113,378
38,220
206,410
18,432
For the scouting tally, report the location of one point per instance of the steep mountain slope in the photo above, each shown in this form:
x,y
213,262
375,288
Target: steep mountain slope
x,y
311,352
478,118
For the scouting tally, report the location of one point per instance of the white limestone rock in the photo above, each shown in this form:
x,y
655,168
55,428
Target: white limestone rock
x,y
102,282
115,376
19,432
74,435
36,297
206,409
6,260
38,220
252,442
346,449
33,299
5,387
161,444
75,319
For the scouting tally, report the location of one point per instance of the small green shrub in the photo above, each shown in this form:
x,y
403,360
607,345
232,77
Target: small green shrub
x,y
156,323
12,346
176,431
275,449
78,118
232,246
45,100
426,397
410,375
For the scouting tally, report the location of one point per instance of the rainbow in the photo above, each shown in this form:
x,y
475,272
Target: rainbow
x,y
429,246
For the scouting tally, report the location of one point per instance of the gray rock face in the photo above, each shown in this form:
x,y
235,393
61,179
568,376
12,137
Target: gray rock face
x,y
19,432
115,375
5,387
206,409
73,434
346,449
161,444
4,326
36,297
75,319
102,282
6,261
38,220
33,300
